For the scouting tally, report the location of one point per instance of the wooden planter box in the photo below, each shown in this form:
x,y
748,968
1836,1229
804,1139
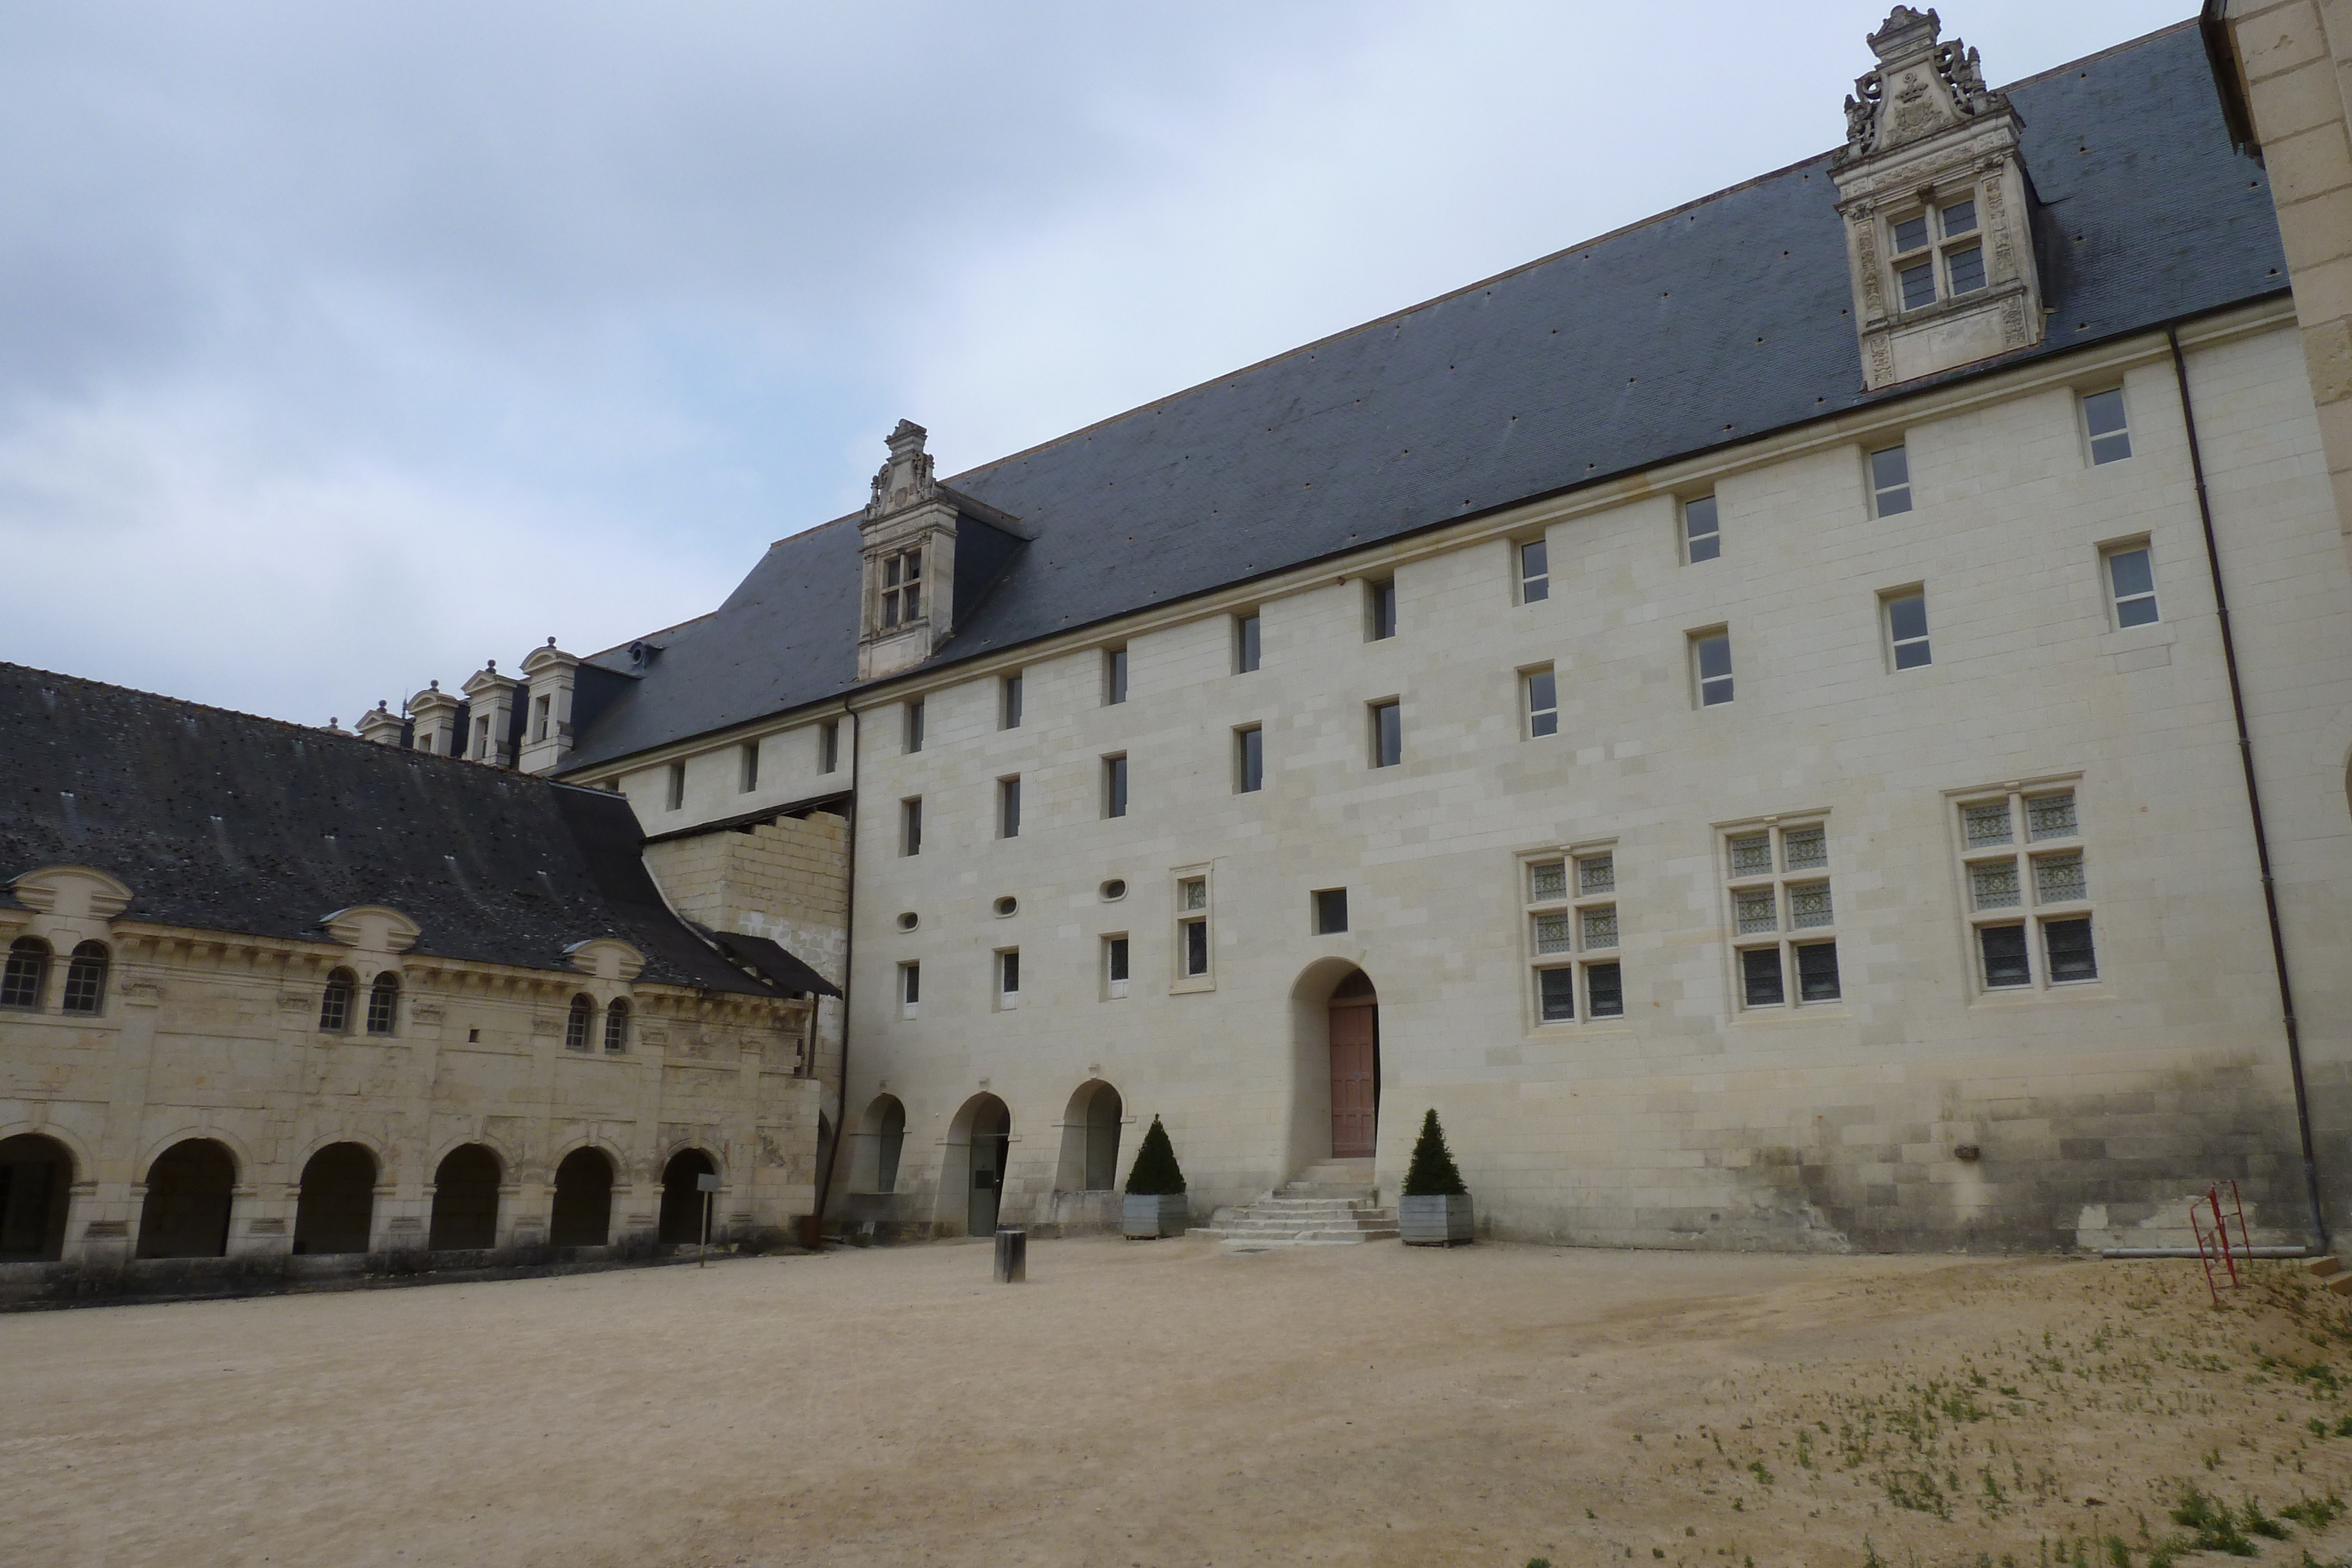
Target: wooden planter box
x,y
1433,1222
1149,1218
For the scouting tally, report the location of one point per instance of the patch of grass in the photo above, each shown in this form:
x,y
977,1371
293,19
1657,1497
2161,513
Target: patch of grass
x,y
2257,1522
1756,1468
2314,1513
2215,1526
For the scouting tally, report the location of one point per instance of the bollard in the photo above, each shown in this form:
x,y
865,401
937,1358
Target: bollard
x,y
1012,1256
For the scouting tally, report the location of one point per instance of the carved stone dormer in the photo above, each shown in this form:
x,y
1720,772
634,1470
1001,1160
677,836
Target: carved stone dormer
x,y
1936,209
437,715
381,725
490,697
547,711
907,550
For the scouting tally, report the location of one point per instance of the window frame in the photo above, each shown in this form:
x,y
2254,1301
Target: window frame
x,y
1588,889
1702,697
911,827
1941,246
910,736
2022,852
747,763
1791,935
910,992
1538,702
1118,965
1114,675
2109,553
2092,438
1114,785
828,746
345,981
1010,692
1379,609
1892,643
616,1025
1881,496
1008,806
1004,964
1531,569
673,788
1319,910
579,1022
378,992
1249,759
1712,537
1249,642
86,957
1186,917
27,956
902,586
1386,718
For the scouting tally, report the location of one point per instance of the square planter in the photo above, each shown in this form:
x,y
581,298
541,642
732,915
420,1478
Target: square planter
x,y
1149,1218
1433,1222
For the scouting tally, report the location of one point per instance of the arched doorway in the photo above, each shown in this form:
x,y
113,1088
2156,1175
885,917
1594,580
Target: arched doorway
x,y
682,1199
465,1200
189,1188
36,1182
584,1200
337,1207
881,1139
971,1177
1354,1025
1089,1161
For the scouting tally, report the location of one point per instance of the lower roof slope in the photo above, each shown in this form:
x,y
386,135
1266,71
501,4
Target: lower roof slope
x,y
223,822
1714,323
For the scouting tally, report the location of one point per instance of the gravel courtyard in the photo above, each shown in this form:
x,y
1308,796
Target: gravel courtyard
x,y
1170,1404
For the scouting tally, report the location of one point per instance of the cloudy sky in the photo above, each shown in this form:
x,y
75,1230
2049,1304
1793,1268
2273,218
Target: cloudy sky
x,y
344,347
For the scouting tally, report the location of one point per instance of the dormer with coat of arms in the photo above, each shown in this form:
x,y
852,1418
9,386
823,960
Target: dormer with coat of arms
x,y
1936,208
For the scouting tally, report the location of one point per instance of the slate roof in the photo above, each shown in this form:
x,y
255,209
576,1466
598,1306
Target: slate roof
x,y
1714,323
222,821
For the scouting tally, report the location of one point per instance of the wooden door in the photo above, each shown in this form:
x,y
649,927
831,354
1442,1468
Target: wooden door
x,y
1355,1088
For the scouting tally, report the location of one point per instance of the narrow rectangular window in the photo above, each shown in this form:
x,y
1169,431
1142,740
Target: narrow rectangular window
x,y
1388,734
1008,808
910,988
1906,628
1702,534
2103,417
1245,652
1115,966
1711,666
828,745
1918,281
2067,945
482,740
1605,991
2134,582
1008,713
914,739
1961,219
1911,235
1759,976
1535,572
539,708
1196,947
675,796
2003,948
911,827
1193,927
1379,609
1114,676
1330,911
748,776
1556,995
1249,759
1817,972
1115,786
1543,703
1964,269
1008,977
1890,481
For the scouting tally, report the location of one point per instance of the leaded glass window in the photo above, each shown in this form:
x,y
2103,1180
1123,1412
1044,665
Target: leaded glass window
x,y
2058,879
1993,885
1808,905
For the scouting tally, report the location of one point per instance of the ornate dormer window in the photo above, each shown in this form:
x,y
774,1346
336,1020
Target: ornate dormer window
x,y
1936,208
910,538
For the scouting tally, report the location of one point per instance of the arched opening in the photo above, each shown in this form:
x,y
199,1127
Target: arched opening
x,y
466,1201
383,1004
971,1176
682,1196
335,1005
36,1182
189,1188
584,1200
337,1207
576,1022
1089,1161
881,1139
28,974
85,980
616,1024
1335,1079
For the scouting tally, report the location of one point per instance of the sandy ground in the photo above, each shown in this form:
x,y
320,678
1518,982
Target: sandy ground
x,y
1167,1404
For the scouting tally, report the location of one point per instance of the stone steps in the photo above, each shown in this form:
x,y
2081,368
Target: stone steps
x,y
2330,1270
1313,1217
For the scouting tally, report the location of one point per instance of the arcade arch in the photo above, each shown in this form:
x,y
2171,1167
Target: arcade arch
x,y
682,1198
35,1185
336,1210
881,1139
971,1173
1090,1126
190,1188
465,1200
583,1215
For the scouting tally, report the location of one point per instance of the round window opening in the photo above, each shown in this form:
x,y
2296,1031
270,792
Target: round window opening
x,y
1114,890
909,921
1007,905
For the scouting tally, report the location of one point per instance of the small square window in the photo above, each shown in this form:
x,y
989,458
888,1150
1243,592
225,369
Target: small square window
x,y
1911,235
1596,873
2059,879
1543,703
914,735
1993,885
1388,734
911,827
1547,880
1756,909
1554,933
1985,823
1605,991
1249,760
1702,534
1114,676
1810,906
1114,785
1906,629
1817,972
1964,269
1008,808
1711,661
2103,417
1890,480
1759,978
2002,948
1556,995
2051,816
1804,849
1918,284
2133,581
2067,944
1246,645
1193,892
1330,911
1960,217
1379,609
1751,854
1598,928
1535,572
1008,711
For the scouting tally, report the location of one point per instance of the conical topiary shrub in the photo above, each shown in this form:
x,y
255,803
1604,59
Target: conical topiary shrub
x,y
1155,1173
1434,1208
1432,1173
1155,1204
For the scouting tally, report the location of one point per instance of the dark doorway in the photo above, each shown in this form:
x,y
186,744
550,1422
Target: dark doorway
x,y
992,1134
185,1213
681,1203
1355,1068
1090,1139
337,1207
36,1181
466,1201
584,1200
